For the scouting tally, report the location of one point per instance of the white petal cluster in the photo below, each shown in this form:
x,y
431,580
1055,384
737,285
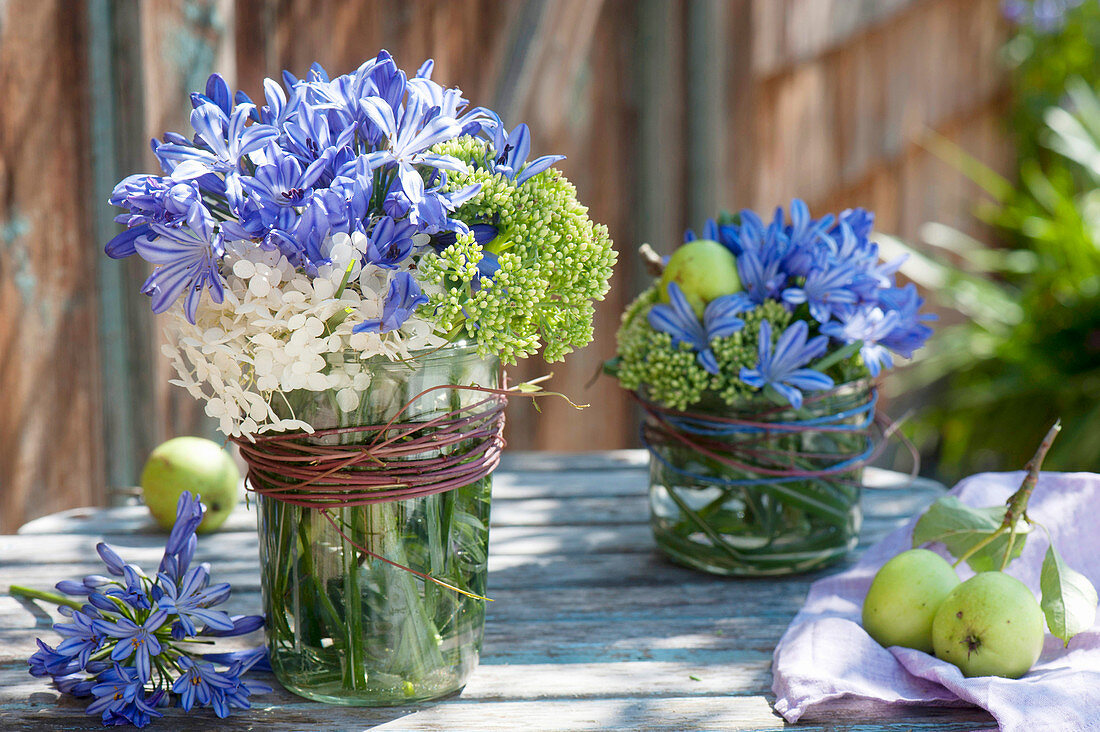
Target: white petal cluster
x,y
276,332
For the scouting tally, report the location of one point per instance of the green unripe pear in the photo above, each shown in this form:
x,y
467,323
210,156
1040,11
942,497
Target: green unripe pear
x,y
904,597
704,269
190,464
990,625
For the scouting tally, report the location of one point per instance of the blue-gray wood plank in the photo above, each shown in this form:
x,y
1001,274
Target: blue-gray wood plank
x,y
590,629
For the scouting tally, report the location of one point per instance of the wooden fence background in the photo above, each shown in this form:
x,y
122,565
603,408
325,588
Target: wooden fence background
x,y
667,110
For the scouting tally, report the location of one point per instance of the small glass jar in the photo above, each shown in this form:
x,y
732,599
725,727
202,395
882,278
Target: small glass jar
x,y
774,492
347,628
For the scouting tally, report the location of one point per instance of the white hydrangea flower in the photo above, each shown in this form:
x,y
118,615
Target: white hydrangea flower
x,y
273,334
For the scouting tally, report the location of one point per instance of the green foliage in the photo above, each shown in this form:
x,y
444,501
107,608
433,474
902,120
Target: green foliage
x,y
674,378
1043,62
1069,599
1029,351
970,532
554,262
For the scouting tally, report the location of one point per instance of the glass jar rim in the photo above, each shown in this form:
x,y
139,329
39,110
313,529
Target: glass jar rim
x,y
463,349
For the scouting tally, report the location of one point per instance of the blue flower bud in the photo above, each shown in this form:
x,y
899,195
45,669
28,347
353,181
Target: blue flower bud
x,y
102,602
71,587
110,558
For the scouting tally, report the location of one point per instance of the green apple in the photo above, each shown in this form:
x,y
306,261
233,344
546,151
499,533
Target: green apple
x,y
704,270
190,464
989,625
904,597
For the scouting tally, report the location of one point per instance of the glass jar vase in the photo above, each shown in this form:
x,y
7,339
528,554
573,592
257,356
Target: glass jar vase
x,y
344,625
756,489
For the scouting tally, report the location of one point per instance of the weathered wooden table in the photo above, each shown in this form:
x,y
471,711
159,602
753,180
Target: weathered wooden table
x,y
591,627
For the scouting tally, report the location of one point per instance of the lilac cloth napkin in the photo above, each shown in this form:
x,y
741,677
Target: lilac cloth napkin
x,y
825,653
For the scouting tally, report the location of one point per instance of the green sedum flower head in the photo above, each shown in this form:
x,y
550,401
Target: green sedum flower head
x,y
554,262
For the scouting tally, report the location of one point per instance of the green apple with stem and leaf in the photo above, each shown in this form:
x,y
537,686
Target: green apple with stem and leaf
x,y
904,597
191,464
990,625
704,270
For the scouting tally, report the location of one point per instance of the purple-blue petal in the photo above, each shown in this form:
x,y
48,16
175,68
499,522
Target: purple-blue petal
x,y
110,558
808,379
537,166
752,377
791,394
122,245
708,361
217,91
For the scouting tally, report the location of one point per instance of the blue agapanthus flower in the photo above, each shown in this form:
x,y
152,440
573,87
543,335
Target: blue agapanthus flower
x,y
909,332
782,367
403,298
679,321
187,260
390,242
761,252
828,274
867,327
510,151
319,156
204,684
152,199
190,600
121,698
82,637
137,642
201,683
407,135
128,646
282,182
48,661
222,140
826,290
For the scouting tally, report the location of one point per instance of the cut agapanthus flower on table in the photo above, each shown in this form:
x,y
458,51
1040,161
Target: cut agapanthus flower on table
x,y
343,269
135,644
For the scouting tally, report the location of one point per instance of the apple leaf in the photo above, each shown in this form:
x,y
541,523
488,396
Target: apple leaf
x,y
960,528
1069,599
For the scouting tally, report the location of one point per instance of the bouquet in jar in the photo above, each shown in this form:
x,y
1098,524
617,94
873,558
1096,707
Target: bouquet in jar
x,y
753,357
342,267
